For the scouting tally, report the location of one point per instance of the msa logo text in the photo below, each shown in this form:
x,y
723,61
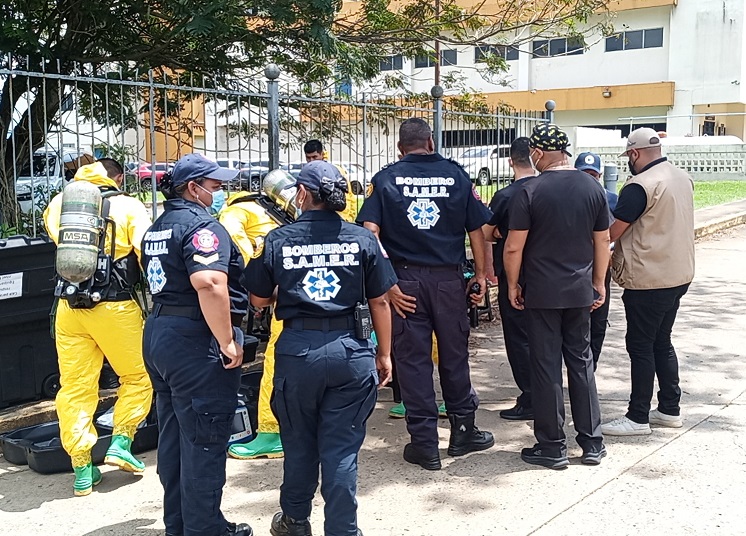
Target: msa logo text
x,y
75,236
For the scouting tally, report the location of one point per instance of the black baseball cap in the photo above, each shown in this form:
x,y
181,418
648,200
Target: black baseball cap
x,y
320,174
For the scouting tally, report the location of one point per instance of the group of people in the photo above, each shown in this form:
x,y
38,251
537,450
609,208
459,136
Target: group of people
x,y
395,278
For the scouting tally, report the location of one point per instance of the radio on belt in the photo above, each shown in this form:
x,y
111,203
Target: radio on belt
x,y
363,321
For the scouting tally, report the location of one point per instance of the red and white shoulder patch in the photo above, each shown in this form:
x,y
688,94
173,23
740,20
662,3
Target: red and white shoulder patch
x,y
205,241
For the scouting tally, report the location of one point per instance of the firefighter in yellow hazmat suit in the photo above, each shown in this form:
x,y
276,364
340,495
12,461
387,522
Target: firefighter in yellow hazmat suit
x,y
248,223
113,328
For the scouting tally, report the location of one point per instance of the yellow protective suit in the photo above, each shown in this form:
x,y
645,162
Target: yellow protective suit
x,y
248,223
111,329
350,212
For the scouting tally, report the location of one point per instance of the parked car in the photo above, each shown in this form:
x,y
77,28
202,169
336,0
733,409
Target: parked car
x,y
145,172
487,163
45,174
250,174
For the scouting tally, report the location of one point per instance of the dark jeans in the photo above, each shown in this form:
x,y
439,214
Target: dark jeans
x,y
599,321
441,308
516,342
555,334
650,318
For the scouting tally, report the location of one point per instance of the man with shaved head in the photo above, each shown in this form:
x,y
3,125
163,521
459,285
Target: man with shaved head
x,y
421,208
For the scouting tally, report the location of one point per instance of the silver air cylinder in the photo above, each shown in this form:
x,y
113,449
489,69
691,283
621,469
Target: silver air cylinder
x,y
279,186
80,228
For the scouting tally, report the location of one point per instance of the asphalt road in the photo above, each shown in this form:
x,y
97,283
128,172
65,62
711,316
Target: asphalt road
x,y
686,481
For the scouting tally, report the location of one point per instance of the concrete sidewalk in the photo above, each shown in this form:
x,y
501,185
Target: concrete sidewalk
x,y
686,481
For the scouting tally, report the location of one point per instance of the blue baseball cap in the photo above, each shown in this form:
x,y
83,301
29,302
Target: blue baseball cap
x,y
588,161
321,175
195,166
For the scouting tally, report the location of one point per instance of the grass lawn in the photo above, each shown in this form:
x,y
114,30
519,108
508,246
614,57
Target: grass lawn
x,y
709,193
706,193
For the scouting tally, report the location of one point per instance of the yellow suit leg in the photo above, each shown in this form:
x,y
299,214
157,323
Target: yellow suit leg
x,y
267,421
117,328
80,361
436,357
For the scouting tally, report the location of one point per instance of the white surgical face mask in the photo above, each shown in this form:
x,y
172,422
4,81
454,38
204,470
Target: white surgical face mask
x,y
297,204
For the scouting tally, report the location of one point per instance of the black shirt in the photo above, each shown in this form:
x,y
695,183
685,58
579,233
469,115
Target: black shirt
x,y
424,205
560,209
633,200
184,240
499,206
319,265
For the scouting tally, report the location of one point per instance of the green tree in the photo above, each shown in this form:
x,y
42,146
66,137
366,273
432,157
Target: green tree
x,y
218,42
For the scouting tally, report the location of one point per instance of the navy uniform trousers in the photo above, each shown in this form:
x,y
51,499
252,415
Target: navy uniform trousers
x,y
441,307
516,342
196,400
555,334
325,389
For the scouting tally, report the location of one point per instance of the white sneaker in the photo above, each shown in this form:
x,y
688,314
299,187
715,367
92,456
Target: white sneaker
x,y
625,427
661,419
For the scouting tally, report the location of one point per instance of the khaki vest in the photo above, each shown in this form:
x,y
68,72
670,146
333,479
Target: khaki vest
x,y
657,250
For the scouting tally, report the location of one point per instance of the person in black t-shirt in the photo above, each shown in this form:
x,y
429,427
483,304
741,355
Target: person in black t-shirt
x,y
559,235
513,320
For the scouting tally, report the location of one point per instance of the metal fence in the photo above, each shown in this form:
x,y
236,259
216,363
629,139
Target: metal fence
x,y
53,123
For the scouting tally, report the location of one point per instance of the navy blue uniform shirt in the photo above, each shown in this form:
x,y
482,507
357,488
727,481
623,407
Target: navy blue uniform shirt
x,y
319,265
183,240
500,206
424,205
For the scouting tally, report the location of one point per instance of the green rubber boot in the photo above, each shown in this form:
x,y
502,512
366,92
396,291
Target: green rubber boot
x,y
398,411
264,445
120,455
86,477
442,410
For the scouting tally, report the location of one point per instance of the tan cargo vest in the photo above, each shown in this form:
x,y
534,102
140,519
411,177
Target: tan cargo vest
x,y
657,250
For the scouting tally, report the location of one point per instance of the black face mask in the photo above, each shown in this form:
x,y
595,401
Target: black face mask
x,y
631,165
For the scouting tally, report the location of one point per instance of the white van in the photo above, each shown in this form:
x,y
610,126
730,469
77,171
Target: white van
x,y
51,171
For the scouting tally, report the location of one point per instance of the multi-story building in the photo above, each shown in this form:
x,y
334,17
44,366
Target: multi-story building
x,y
674,65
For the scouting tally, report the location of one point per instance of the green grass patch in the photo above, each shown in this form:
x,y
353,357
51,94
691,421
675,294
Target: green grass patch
x,y
709,193
706,193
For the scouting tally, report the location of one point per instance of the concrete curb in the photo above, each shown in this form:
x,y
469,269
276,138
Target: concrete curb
x,y
719,224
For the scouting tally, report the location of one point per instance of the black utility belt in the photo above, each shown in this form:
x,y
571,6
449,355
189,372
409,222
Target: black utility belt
x,y
335,323
423,268
184,311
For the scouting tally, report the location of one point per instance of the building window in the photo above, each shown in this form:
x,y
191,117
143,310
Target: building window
x,y
448,58
420,62
635,39
562,46
392,63
653,38
508,53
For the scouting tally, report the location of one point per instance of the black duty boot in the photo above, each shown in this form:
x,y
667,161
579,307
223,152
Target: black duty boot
x,y
240,529
417,456
465,437
283,525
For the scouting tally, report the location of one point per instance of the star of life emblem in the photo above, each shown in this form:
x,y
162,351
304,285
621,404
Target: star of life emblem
x,y
423,213
156,276
321,284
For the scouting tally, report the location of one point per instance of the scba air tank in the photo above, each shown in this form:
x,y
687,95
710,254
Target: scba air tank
x,y
80,230
278,185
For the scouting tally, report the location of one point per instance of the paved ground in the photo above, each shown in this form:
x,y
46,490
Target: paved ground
x,y
687,481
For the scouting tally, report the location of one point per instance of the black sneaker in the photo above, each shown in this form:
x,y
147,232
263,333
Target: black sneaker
x,y
415,455
283,525
593,455
536,456
518,413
